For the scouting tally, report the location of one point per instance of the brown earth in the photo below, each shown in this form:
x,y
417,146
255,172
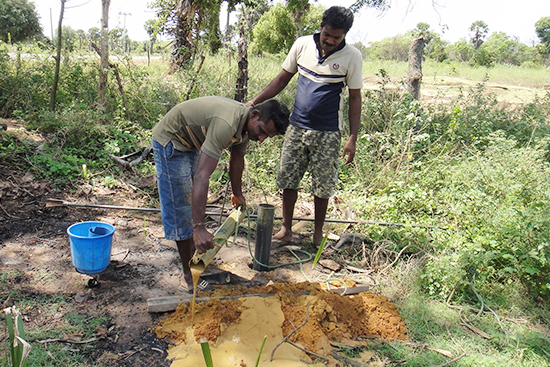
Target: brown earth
x,y
35,253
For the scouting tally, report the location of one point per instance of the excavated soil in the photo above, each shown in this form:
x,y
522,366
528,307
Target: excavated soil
x,y
312,318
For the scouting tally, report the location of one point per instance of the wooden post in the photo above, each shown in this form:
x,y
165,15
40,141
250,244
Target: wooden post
x,y
104,55
57,58
414,74
241,88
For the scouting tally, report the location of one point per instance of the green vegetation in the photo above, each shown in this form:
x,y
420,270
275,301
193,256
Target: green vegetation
x,y
50,324
19,348
474,168
471,169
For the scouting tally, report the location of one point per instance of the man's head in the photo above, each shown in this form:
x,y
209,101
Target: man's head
x,y
336,23
338,17
267,119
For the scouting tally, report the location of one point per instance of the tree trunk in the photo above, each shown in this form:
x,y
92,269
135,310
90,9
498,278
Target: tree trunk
x,y
227,36
184,47
57,59
118,79
241,89
415,67
103,70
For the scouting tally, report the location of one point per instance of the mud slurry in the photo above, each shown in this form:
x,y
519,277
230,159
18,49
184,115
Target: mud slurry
x,y
277,311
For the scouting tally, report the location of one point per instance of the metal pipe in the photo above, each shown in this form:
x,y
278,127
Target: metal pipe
x,y
57,202
264,230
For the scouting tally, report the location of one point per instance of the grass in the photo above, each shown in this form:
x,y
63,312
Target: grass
x,y
489,189
51,319
518,337
515,75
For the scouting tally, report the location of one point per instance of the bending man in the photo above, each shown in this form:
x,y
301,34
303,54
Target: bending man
x,y
187,145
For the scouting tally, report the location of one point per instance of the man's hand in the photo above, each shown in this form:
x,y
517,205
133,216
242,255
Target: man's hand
x,y
238,201
249,104
349,150
202,239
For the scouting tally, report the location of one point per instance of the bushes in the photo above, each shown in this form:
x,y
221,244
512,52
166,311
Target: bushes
x,y
473,166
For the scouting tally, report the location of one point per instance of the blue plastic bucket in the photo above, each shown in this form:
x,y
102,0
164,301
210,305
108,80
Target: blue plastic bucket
x,y
91,246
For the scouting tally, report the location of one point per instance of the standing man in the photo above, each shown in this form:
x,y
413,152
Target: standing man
x,y
187,144
325,65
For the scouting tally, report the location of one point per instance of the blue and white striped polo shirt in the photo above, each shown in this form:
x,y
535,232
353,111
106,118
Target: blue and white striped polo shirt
x,y
318,104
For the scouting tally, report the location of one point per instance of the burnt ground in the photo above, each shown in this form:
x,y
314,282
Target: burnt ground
x,y
35,246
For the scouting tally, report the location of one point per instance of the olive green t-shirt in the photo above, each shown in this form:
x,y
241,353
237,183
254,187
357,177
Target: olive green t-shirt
x,y
210,124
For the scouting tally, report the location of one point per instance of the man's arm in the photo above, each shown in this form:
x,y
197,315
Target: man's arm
x,y
354,117
273,88
201,237
236,167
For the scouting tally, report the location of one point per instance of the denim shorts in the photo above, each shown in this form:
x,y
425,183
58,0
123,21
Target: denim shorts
x,y
175,171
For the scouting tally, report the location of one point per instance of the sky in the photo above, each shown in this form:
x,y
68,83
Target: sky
x,y
451,18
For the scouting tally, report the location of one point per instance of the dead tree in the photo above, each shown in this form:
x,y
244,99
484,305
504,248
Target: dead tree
x,y
57,59
117,75
414,74
241,88
103,73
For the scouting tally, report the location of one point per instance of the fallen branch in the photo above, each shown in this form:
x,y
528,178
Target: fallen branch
x,y
477,331
359,270
444,352
448,363
347,361
132,159
69,341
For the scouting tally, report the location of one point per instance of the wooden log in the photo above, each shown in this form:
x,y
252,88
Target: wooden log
x,y
414,73
170,303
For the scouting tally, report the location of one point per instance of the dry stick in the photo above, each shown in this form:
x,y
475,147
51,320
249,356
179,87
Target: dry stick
x,y
285,339
71,341
132,353
451,361
346,360
8,214
397,258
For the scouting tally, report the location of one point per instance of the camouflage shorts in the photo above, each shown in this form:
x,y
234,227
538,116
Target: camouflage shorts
x,y
320,150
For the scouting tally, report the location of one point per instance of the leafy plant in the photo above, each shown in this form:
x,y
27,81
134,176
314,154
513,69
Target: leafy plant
x,y
205,347
19,348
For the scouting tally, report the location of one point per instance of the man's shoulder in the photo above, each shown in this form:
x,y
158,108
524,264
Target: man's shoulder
x,y
353,50
305,40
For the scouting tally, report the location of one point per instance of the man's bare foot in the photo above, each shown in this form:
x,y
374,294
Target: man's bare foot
x,y
317,239
187,281
283,235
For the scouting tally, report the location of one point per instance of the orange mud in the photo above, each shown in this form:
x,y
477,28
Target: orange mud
x,y
235,328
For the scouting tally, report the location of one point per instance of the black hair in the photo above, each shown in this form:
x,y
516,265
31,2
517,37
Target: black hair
x,y
273,110
338,17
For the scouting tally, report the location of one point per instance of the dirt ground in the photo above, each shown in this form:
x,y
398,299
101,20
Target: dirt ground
x,y
144,265
35,245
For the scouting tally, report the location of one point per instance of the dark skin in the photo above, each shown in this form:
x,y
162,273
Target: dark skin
x,y
202,239
330,38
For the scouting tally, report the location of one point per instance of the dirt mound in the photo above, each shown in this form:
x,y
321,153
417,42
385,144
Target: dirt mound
x,y
304,314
